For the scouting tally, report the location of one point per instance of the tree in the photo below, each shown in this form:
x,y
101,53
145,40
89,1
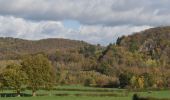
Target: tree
x,y
39,71
133,82
124,79
14,77
133,46
141,81
106,69
149,79
89,82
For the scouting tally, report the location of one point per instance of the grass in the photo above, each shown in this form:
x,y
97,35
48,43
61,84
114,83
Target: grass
x,y
67,98
87,93
156,94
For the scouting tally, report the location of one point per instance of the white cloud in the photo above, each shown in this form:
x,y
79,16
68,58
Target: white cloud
x,y
101,21
91,12
21,28
107,34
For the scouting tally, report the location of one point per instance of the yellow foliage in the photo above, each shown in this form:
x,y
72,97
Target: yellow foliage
x,y
141,82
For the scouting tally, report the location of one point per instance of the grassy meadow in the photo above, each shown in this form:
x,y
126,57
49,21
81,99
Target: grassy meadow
x,y
85,93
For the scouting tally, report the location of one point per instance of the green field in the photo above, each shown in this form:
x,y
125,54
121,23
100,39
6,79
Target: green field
x,y
86,93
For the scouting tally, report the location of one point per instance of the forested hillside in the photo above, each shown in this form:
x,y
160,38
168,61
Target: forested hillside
x,y
153,43
138,61
12,48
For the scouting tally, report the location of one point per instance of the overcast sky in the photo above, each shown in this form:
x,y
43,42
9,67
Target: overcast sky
x,y
94,21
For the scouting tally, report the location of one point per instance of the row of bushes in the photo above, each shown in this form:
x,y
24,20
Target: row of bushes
x,y
86,78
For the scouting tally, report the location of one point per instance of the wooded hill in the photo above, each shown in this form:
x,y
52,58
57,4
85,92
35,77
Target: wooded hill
x,y
137,61
154,42
12,48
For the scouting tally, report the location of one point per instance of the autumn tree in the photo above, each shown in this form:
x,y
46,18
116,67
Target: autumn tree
x,y
133,82
39,71
14,77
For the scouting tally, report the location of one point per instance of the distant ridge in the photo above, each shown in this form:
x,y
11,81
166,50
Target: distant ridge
x,y
13,47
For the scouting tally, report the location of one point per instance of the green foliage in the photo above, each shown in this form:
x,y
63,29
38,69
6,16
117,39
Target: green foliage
x,y
133,46
149,80
105,68
88,51
14,77
89,82
133,82
151,63
39,71
124,79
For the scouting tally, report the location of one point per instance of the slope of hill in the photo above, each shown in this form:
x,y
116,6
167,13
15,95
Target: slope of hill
x,y
12,47
154,42
141,56
149,48
154,37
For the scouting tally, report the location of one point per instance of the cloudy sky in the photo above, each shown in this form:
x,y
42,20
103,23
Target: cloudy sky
x,y
94,21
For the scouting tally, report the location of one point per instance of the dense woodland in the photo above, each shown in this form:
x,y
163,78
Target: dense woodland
x,y
138,61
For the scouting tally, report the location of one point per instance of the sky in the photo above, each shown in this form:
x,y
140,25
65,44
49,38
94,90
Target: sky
x,y
93,21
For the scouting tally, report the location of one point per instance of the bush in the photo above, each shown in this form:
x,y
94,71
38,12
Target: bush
x,y
89,82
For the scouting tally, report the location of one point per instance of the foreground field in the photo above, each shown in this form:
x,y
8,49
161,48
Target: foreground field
x,y
68,98
86,93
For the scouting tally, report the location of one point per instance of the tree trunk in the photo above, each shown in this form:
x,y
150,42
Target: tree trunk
x,y
18,93
33,93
